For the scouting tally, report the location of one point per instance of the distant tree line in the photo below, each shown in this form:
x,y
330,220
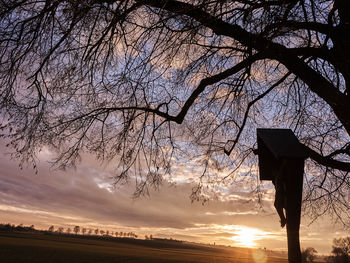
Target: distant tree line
x,y
89,231
76,230
10,228
340,252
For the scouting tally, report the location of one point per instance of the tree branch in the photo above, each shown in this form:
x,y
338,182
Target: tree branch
x,y
328,162
316,82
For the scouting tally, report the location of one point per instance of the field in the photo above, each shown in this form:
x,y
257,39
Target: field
x,y
16,247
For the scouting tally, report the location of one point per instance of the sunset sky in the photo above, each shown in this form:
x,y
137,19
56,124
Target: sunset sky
x,y
85,196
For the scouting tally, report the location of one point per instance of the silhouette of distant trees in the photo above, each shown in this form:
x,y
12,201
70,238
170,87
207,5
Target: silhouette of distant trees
x,y
308,255
340,250
60,230
10,228
76,229
51,229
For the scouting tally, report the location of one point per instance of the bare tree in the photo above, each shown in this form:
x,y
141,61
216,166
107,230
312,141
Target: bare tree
x,y
153,82
308,255
51,229
76,229
340,250
60,230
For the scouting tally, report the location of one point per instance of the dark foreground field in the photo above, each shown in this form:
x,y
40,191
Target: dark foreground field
x,y
38,247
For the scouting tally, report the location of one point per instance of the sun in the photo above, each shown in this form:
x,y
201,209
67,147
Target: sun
x,y
246,237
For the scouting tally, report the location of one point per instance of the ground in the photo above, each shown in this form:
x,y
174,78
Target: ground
x,y
39,248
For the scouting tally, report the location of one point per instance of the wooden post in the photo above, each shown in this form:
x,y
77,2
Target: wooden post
x,y
277,147
294,170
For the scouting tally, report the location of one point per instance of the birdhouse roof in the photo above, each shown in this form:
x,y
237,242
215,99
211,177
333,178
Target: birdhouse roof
x,y
282,143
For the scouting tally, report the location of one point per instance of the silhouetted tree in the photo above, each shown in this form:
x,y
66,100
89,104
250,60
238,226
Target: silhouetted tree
x,y
308,255
83,231
76,229
207,71
60,230
340,250
51,229
90,231
102,232
68,230
96,231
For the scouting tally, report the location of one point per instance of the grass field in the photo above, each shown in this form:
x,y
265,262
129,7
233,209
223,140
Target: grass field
x,y
42,248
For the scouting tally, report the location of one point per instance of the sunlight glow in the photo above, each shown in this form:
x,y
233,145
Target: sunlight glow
x,y
259,256
246,237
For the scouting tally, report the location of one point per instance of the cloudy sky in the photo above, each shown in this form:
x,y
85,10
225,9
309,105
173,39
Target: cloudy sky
x,y
85,196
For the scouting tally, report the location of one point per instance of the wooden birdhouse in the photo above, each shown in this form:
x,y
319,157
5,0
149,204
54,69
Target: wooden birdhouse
x,y
274,146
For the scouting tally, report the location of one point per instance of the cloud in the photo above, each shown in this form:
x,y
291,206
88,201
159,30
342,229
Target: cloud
x,y
85,196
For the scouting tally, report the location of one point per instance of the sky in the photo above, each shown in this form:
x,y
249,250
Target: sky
x,y
85,196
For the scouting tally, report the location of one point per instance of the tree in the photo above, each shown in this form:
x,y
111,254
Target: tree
x,y
51,229
96,231
152,82
308,255
209,72
102,232
60,230
68,230
83,231
340,250
76,229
